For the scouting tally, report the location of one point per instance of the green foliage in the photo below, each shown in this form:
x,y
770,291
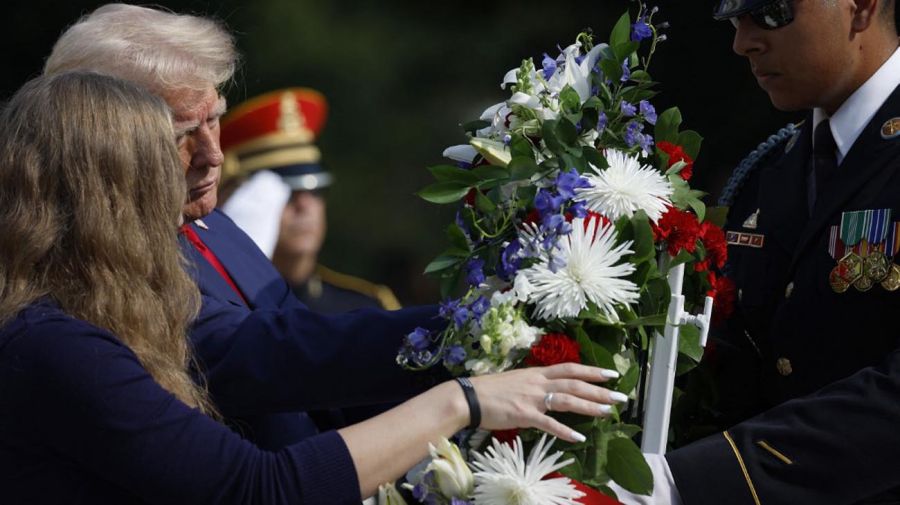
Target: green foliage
x,y
627,467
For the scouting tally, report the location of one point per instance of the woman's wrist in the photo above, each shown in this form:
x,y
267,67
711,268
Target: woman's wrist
x,y
456,406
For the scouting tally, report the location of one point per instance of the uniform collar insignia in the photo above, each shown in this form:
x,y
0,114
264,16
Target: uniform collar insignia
x,y
201,224
891,129
751,222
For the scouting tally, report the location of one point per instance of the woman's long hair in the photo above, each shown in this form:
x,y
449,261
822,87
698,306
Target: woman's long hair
x,y
91,190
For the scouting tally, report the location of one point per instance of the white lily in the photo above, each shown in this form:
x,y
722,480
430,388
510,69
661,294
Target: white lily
x,y
451,472
494,151
388,495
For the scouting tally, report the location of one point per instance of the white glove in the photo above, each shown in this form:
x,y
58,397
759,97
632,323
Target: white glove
x,y
256,208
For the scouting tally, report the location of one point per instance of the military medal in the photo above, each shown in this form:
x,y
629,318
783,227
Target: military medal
x,y
863,283
877,266
838,280
892,281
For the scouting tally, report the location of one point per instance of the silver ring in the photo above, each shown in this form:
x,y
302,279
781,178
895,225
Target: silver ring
x,y
548,401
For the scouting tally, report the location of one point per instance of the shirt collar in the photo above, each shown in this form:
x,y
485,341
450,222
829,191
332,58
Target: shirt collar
x,y
856,112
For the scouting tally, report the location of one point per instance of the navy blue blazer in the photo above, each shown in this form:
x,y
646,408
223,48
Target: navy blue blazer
x,y
824,366
267,362
83,423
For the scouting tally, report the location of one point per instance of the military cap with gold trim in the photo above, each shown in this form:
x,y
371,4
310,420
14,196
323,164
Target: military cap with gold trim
x,y
276,131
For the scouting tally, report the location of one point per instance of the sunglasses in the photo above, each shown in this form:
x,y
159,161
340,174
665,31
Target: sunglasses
x,y
770,15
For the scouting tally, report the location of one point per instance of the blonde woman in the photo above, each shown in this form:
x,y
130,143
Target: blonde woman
x,y
96,404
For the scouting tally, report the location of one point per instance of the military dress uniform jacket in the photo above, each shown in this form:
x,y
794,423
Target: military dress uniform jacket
x,y
266,362
824,366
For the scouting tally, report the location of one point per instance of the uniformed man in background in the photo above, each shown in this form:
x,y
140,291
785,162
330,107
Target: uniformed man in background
x,y
279,184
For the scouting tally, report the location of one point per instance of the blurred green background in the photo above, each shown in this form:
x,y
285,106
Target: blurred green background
x,y
402,75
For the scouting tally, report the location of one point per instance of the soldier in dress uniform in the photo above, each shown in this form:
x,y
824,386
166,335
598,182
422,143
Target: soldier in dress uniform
x,y
810,362
285,215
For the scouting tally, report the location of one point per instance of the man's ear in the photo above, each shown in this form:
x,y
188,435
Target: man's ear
x,y
865,12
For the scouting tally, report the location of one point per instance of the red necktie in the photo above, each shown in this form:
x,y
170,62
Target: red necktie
x,y
198,244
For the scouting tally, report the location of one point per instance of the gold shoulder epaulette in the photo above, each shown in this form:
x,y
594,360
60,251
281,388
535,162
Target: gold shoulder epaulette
x,y
380,292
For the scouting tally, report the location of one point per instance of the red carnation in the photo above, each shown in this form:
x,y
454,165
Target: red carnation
x,y
676,154
724,294
506,436
554,348
679,229
713,239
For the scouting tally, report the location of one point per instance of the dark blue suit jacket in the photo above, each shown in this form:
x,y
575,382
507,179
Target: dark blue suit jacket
x,y
267,362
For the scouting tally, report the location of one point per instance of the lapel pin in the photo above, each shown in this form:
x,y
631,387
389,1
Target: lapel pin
x,y
201,224
890,129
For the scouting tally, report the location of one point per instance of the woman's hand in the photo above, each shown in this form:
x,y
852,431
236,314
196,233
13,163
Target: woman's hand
x,y
521,398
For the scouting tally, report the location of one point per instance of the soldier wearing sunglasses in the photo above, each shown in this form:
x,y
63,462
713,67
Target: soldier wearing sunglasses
x,y
809,365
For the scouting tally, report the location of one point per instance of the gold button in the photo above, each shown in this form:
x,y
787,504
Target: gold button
x,y
740,294
784,366
788,290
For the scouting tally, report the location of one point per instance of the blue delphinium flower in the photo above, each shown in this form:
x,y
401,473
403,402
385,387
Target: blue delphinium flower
x,y
626,71
546,201
648,111
602,121
632,130
578,209
455,355
447,308
549,65
628,109
646,142
568,182
640,30
419,339
460,316
510,260
475,272
507,139
479,307
458,501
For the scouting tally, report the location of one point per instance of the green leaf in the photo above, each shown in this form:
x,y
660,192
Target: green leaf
x,y
629,380
444,192
457,237
522,168
569,99
593,156
612,70
574,470
442,262
450,173
625,50
641,76
593,354
655,320
717,215
682,257
566,131
521,146
491,172
483,203
643,246
478,124
667,126
690,141
689,342
621,32
699,208
626,465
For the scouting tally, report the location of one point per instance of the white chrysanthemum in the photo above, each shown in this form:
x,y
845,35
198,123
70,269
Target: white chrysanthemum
x,y
592,270
626,187
503,477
